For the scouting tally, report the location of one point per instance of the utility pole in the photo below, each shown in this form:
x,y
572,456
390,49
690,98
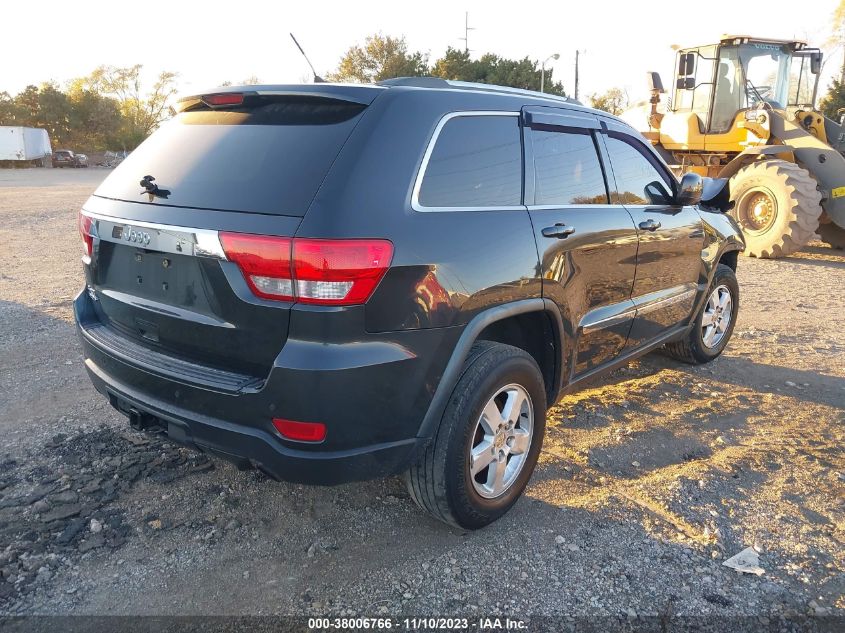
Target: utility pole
x,y
577,53
467,29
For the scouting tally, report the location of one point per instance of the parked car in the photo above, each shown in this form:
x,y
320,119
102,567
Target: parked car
x,y
66,158
333,283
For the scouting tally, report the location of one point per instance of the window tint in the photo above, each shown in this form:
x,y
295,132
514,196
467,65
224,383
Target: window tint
x,y
269,156
638,181
567,168
476,162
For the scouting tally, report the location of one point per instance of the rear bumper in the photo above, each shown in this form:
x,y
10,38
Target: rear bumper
x,y
372,396
254,448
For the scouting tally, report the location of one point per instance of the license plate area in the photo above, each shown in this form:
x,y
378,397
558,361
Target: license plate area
x,y
166,278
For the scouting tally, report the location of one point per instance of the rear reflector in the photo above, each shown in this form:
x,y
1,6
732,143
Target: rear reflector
x,y
84,223
319,272
229,98
300,431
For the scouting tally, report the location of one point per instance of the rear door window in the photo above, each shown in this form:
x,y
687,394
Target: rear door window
x,y
476,163
268,156
567,168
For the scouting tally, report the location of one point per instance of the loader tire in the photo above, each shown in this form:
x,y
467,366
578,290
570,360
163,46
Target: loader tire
x,y
832,234
777,206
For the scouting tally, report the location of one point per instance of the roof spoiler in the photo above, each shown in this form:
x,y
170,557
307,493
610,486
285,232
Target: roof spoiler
x,y
353,93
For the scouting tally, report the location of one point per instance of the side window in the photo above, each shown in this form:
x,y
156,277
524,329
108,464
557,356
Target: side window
x,y
638,180
476,162
694,85
567,168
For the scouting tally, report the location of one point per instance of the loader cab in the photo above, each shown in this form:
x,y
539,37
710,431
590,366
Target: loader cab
x,y
717,82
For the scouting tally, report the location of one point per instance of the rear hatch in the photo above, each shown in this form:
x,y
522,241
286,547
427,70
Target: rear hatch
x,y
236,162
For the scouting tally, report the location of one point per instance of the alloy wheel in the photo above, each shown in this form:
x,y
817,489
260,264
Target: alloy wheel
x,y
717,317
501,441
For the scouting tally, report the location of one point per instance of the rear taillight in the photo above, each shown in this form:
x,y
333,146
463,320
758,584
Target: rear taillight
x,y
264,262
84,222
320,272
339,271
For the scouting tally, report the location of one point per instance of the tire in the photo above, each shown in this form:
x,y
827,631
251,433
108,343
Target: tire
x,y
777,206
832,234
440,482
694,349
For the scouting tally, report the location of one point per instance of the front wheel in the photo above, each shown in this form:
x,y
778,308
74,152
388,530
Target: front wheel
x,y
488,442
714,322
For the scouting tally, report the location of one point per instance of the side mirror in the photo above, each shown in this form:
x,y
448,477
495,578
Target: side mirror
x,y
690,189
654,82
816,63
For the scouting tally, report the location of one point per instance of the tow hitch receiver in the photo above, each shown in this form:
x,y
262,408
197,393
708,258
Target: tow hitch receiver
x,y
138,420
142,421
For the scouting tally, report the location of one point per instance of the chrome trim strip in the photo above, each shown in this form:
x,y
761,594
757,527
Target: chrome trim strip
x,y
646,307
636,306
588,326
178,240
166,309
577,207
415,195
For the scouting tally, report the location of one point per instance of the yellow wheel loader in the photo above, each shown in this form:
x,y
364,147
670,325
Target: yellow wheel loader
x,y
744,109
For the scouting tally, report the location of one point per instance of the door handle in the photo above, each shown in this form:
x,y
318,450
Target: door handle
x,y
560,231
650,225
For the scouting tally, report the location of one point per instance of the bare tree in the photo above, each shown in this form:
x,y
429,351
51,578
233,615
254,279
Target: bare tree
x,y
143,111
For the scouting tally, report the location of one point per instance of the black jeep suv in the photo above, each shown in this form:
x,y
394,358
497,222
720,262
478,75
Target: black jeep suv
x,y
334,282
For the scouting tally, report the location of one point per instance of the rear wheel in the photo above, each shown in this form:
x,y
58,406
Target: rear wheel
x,y
777,205
488,441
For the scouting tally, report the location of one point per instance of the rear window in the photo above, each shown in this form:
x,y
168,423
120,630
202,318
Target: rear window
x,y
476,162
567,168
269,156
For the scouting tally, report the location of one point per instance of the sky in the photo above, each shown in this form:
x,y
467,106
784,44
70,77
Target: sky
x,y
210,42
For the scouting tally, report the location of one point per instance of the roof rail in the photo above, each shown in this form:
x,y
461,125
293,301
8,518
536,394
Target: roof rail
x,y
444,84
417,82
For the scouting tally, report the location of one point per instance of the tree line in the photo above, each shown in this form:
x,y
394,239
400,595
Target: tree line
x,y
110,109
383,57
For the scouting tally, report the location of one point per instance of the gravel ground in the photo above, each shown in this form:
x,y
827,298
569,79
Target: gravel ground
x,y
649,479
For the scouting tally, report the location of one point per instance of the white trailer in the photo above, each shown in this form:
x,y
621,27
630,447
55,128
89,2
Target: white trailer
x,y
23,144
